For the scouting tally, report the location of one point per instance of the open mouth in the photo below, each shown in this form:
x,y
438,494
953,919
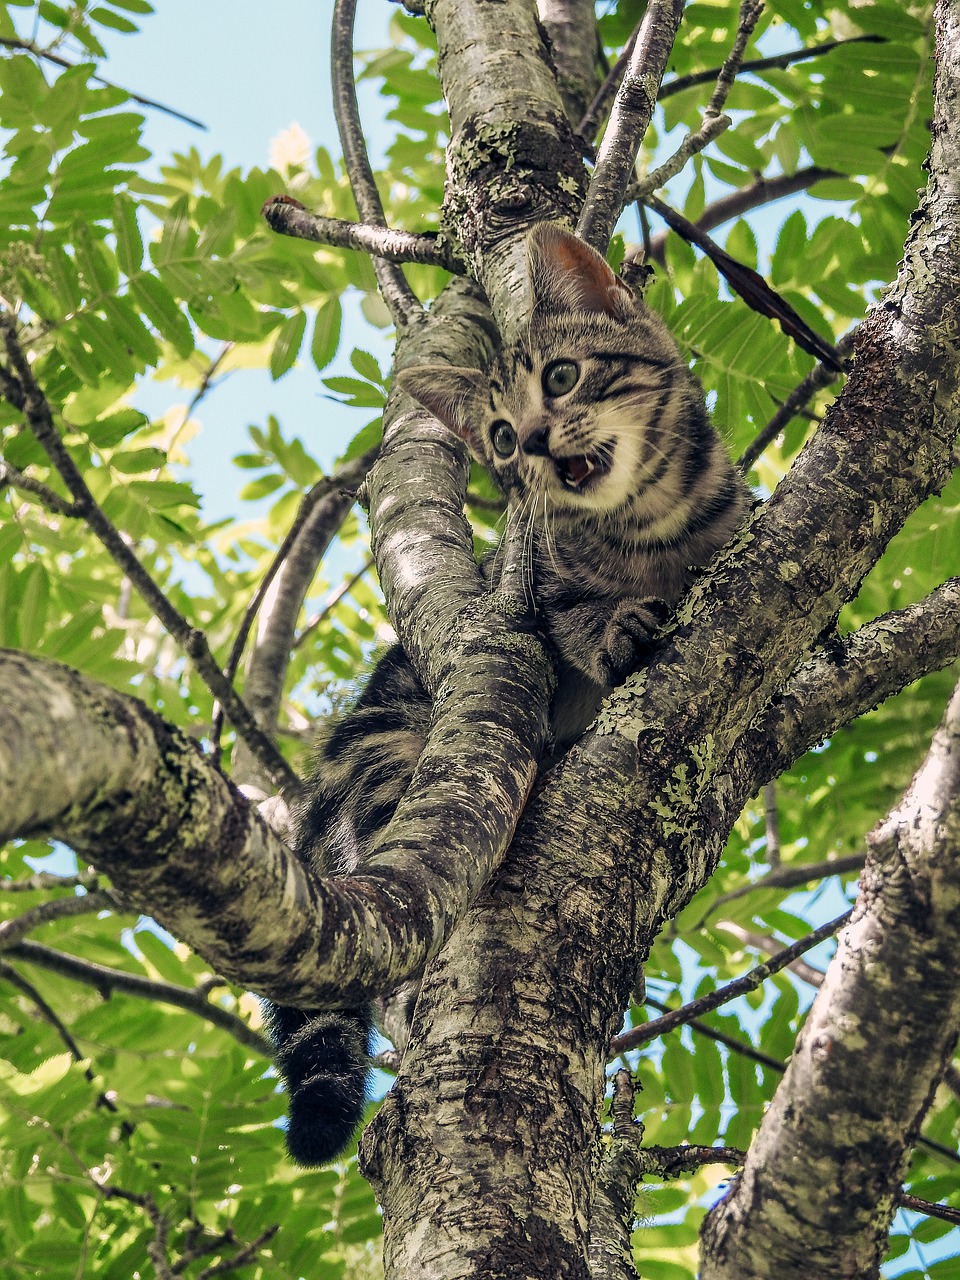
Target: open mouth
x,y
585,471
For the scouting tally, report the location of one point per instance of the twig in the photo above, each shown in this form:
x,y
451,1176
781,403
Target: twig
x,y
107,980
779,61
590,121
788,875
13,930
331,602
806,972
763,191
752,287
241,1257
772,823
674,1162
50,1015
11,477
36,409
750,11
819,377
916,1205
632,110
288,217
714,999
403,303
29,46
157,1249
692,144
42,880
338,488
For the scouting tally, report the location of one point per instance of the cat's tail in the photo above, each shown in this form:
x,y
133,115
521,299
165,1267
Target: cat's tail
x,y
324,1061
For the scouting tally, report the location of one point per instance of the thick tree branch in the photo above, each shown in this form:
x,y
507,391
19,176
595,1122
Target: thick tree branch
x,y
399,297
853,675
571,26
892,982
289,217
29,398
633,108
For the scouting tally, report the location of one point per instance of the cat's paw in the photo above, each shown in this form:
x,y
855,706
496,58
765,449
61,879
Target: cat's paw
x,y
628,636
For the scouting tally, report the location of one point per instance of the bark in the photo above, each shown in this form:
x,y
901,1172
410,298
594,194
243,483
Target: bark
x,y
821,1181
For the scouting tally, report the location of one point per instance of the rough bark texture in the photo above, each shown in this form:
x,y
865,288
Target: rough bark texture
x,y
820,1184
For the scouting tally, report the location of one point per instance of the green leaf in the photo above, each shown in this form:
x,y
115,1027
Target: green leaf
x,y
326,332
129,241
286,345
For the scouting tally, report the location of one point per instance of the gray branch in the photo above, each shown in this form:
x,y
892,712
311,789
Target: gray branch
x,y
289,217
633,108
892,982
399,297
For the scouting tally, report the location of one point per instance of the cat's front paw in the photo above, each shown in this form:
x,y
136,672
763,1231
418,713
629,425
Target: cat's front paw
x,y
628,636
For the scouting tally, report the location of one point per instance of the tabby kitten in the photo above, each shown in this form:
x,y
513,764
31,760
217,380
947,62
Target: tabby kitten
x,y
620,491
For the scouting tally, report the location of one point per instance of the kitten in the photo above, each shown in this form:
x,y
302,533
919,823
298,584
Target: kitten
x,y
620,491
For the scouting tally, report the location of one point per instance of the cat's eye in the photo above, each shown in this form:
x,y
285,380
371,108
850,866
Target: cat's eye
x,y
560,377
504,439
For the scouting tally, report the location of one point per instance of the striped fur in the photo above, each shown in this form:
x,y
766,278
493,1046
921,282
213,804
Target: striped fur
x,y
620,491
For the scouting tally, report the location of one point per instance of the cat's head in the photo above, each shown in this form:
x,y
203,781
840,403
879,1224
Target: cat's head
x,y
574,408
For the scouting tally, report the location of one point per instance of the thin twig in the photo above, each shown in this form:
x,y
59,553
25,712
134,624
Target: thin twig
x,y
632,110
288,217
36,409
29,46
50,1015
332,600
403,303
241,1257
343,481
723,995
805,972
17,928
107,980
788,875
750,11
819,377
43,880
780,61
12,477
590,122
772,823
916,1205
674,1162
690,146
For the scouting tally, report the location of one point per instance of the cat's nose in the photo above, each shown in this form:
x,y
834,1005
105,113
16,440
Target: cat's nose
x,y
537,442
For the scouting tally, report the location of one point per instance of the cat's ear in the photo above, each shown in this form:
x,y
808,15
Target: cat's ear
x,y
567,275
458,397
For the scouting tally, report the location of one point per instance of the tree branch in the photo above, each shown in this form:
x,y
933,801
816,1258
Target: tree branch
x,y
823,373
853,675
632,110
788,876
779,61
12,930
637,1036
319,517
289,217
47,55
891,982
30,399
752,287
11,477
107,980
399,297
